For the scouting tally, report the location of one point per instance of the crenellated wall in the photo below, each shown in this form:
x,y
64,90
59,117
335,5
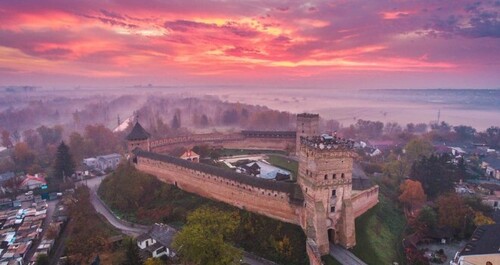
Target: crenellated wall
x,y
364,200
275,203
243,139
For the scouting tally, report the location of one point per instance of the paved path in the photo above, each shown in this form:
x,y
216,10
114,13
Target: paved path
x,y
344,256
100,207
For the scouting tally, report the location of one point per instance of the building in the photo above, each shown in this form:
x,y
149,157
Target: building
x,y
104,162
156,242
190,155
32,182
325,200
107,162
483,247
491,166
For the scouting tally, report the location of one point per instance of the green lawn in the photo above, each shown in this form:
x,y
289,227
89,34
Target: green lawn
x,y
379,234
282,162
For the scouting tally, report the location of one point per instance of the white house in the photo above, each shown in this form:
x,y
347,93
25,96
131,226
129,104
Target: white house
x,y
32,182
156,242
110,161
90,162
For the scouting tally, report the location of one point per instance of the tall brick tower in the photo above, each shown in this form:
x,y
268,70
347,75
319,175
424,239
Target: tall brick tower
x,y
138,138
307,126
325,176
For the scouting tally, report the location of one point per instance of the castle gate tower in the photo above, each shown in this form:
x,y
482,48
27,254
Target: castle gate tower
x,y
325,176
307,126
138,138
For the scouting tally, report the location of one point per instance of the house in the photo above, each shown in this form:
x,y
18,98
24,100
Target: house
x,y
483,247
32,182
156,242
90,162
190,156
110,161
492,167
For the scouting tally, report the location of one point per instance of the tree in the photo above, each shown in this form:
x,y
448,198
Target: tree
x,y
481,219
453,212
412,194
23,156
464,133
77,145
418,148
64,165
435,173
132,254
42,259
426,219
203,240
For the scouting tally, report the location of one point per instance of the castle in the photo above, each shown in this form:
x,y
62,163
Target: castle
x,y
329,193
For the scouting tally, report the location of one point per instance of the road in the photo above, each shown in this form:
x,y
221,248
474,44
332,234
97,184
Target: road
x,y
100,207
136,230
344,256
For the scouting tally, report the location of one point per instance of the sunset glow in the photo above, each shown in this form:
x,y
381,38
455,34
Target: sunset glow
x,y
214,42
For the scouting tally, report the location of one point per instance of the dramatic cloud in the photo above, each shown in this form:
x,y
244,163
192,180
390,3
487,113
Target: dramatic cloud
x,y
251,41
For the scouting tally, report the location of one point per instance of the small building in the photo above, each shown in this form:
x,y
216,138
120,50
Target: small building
x,y
190,155
32,182
492,167
90,162
110,161
156,242
483,247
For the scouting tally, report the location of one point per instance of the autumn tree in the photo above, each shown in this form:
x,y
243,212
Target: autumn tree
x,y
203,240
23,156
417,148
412,194
427,219
453,212
64,165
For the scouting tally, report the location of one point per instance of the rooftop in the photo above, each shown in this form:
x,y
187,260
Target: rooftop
x,y
330,143
484,240
138,133
291,188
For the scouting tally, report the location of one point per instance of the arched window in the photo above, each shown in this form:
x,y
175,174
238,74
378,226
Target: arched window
x,y
326,176
334,176
342,176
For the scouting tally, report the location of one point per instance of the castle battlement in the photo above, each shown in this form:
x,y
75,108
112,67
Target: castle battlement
x,y
327,143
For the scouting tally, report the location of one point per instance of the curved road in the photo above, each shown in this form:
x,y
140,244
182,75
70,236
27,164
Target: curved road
x,y
134,230
126,228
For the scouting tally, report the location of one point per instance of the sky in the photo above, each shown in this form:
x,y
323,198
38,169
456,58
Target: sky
x,y
341,44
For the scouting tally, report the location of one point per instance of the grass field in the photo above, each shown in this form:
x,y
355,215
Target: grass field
x,y
379,234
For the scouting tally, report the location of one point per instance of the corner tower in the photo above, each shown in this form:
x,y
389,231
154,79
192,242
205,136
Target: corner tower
x,y
307,126
138,138
325,177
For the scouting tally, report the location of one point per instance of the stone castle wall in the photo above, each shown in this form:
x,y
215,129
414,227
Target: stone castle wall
x,y
233,140
269,202
364,200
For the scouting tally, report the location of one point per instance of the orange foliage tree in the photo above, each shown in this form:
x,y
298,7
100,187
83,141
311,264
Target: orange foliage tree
x,y
412,194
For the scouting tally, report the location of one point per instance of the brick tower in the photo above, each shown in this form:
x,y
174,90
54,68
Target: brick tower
x,y
138,138
307,126
325,176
